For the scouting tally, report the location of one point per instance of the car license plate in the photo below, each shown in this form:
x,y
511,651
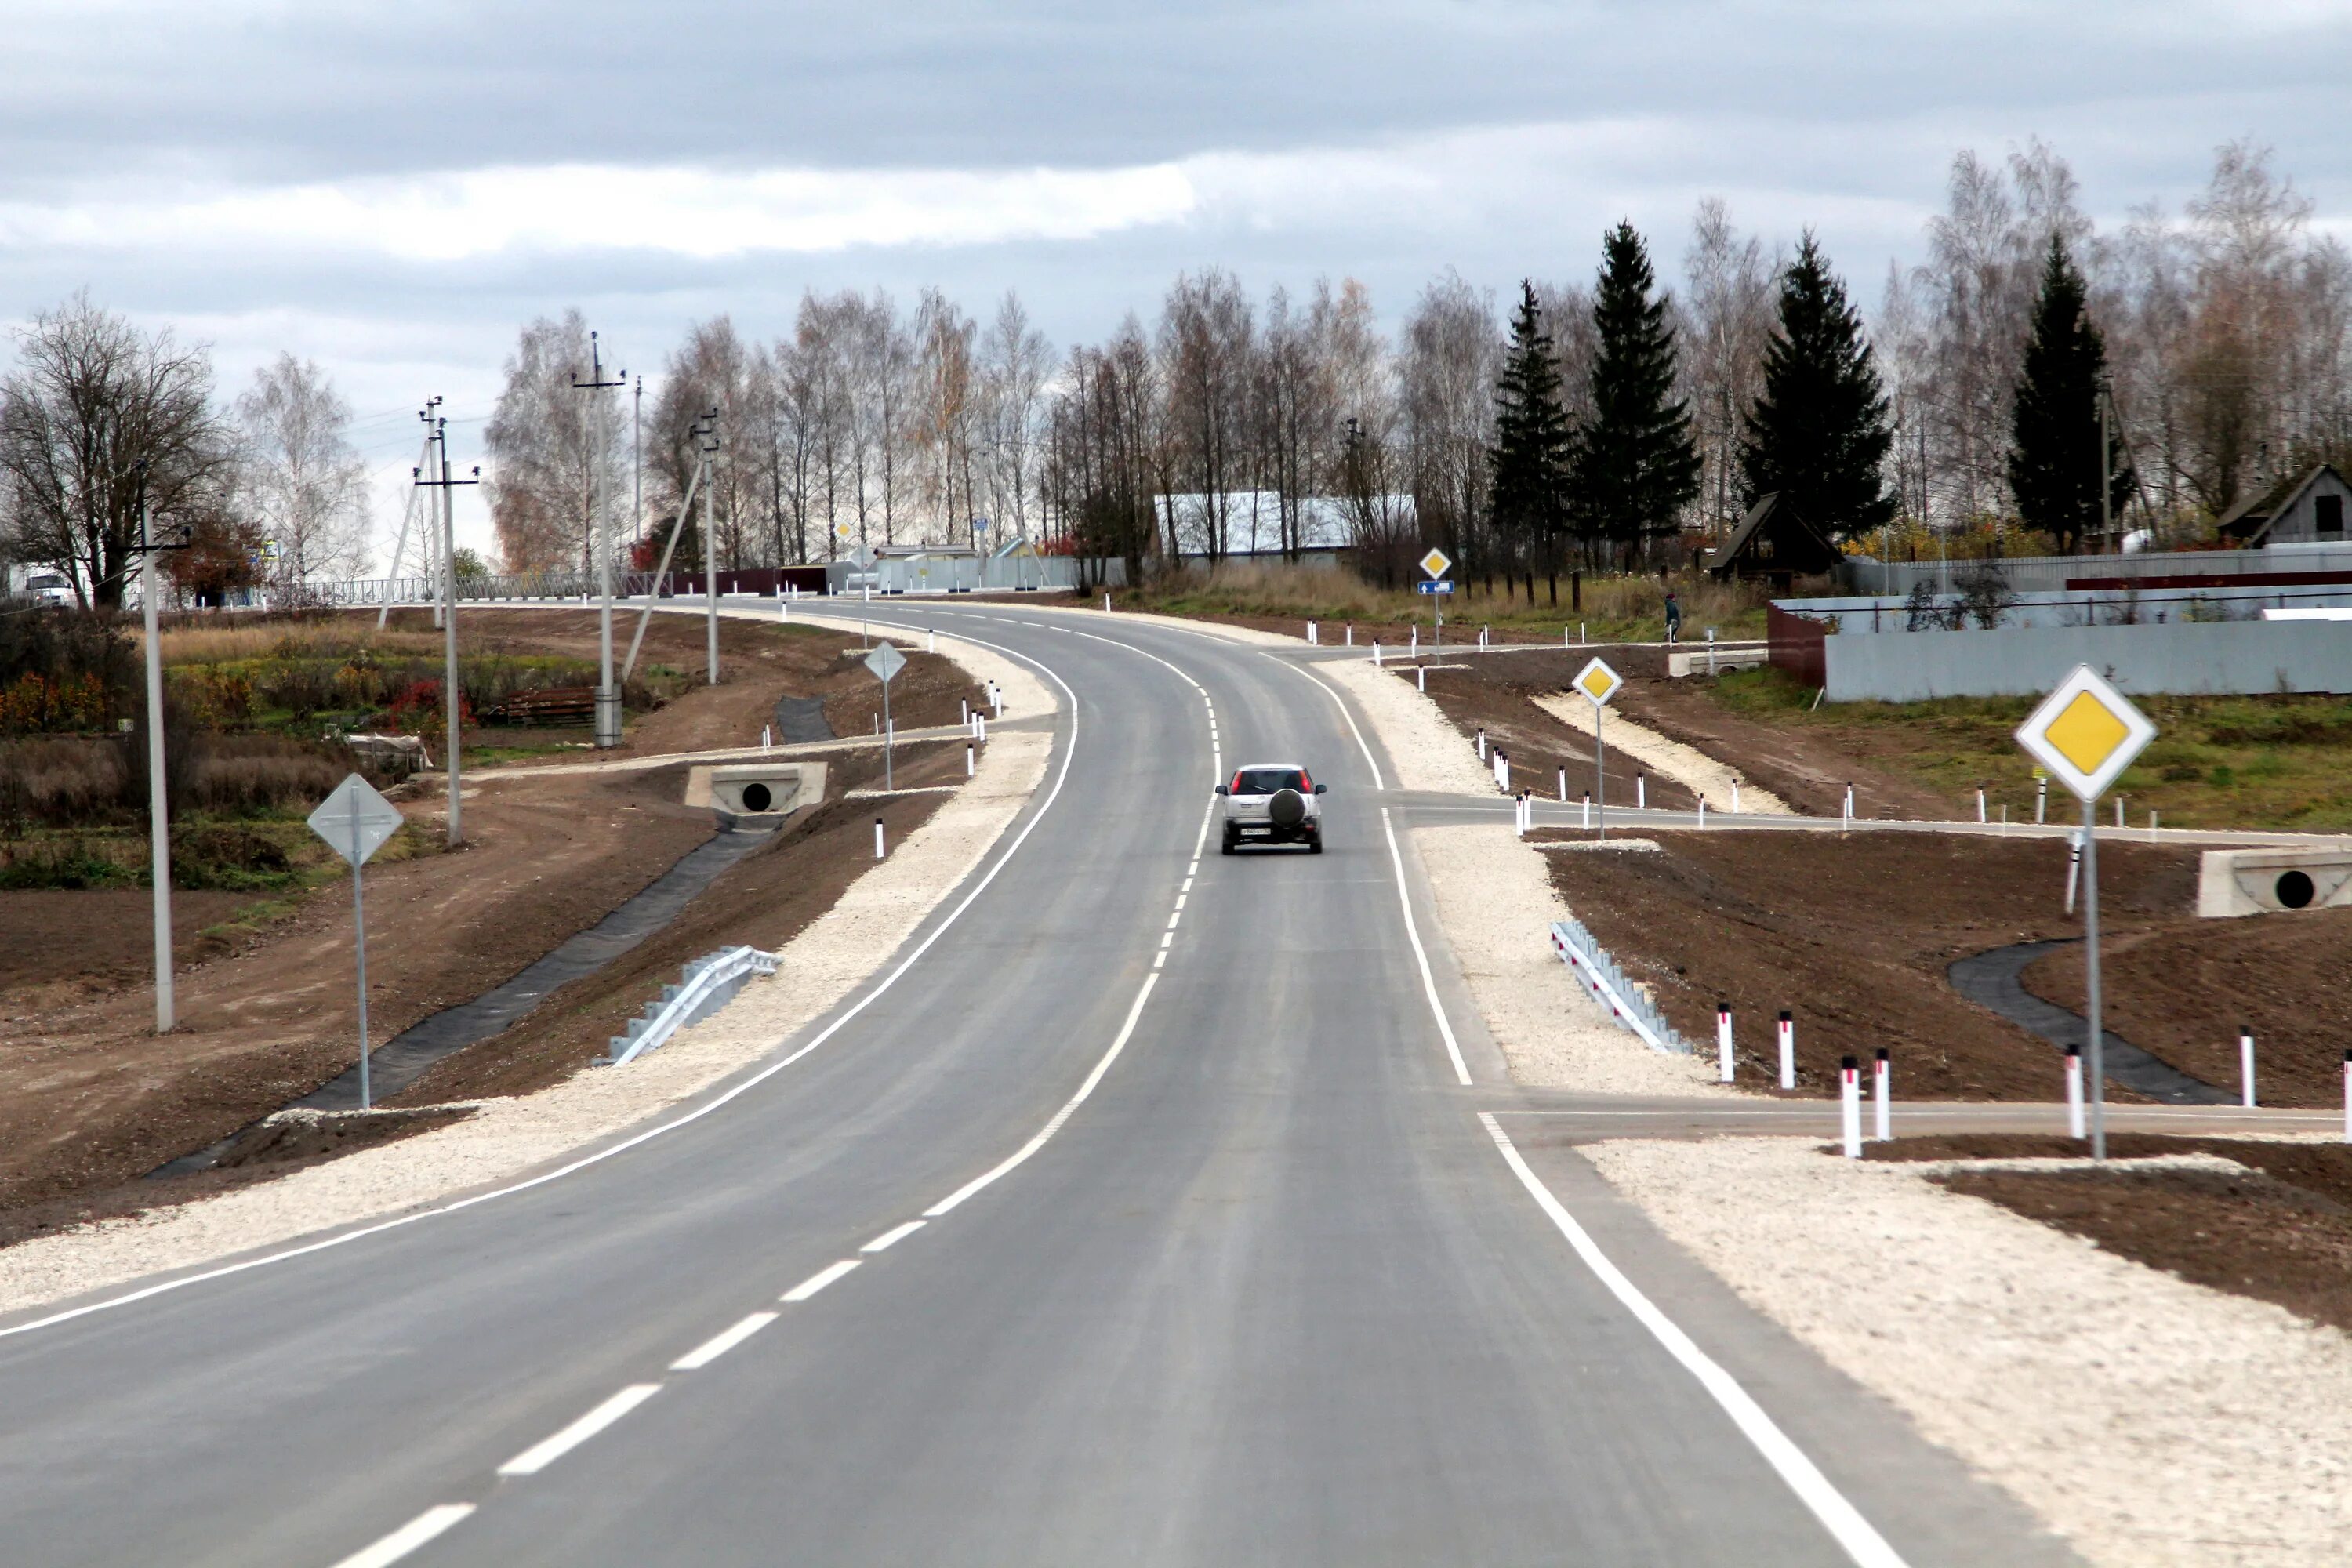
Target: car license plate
x,y
1258,830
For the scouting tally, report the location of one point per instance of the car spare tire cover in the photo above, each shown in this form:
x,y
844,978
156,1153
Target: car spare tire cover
x,y
1288,808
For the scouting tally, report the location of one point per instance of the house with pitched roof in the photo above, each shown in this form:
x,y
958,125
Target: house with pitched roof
x,y
2302,509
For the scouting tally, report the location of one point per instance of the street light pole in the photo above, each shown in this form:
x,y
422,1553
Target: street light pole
x,y
159,828
709,540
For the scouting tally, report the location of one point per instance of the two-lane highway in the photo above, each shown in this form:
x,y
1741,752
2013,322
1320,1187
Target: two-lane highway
x,y
1142,1217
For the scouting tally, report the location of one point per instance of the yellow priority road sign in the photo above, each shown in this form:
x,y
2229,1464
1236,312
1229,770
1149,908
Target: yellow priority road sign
x,y
2085,732
1598,681
1437,563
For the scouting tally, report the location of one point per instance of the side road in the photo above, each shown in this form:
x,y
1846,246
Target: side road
x,y
506,1139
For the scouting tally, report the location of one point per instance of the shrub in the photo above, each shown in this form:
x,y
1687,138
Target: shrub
x,y
418,710
35,703
73,865
211,698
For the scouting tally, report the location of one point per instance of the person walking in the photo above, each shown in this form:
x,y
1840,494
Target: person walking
x,y
1674,618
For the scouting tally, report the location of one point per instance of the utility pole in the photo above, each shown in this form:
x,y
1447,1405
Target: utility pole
x,y
709,449
608,695
2106,508
159,827
638,464
451,694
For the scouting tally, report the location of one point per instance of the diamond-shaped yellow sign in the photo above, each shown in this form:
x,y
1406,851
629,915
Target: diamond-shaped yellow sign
x,y
2085,732
1598,681
1437,563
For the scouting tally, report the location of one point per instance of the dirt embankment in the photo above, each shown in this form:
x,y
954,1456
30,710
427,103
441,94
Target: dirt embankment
x,y
91,1099
1809,775
1853,934
758,663
1492,692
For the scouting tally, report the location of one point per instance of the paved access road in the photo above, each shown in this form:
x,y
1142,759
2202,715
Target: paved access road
x,y
1144,1218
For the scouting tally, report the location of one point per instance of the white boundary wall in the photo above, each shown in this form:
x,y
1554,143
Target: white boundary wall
x,y
2213,658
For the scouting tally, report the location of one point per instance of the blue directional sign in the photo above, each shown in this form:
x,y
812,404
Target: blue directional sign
x,y
1427,587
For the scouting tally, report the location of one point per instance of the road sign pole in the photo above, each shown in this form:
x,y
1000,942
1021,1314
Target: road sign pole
x,y
2096,1034
889,785
1600,774
359,930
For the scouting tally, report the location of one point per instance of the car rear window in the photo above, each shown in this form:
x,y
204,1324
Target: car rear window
x,y
1266,781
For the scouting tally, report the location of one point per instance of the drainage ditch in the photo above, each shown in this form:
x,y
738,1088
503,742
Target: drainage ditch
x,y
1995,979
403,1059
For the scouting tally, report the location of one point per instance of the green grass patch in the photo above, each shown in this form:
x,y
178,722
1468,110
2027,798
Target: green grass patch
x,y
2280,762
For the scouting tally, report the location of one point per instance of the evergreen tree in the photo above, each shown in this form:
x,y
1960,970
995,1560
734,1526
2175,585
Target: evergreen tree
x,y
1528,462
1633,466
1817,434
2053,459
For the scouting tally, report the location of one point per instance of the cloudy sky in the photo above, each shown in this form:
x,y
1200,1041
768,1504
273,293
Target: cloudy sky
x,y
393,190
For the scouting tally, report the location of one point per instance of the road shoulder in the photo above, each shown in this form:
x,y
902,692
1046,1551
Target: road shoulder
x,y
2148,1420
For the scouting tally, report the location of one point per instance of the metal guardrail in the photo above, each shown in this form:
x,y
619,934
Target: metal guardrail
x,y
704,986
1608,987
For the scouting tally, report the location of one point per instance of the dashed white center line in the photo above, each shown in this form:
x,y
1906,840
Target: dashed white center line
x,y
1165,940
541,1455
1160,960
719,1344
820,1279
408,1537
1180,896
891,1238
1188,886
1174,918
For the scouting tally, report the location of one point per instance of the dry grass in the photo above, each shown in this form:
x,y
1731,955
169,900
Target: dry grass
x,y
1617,607
217,644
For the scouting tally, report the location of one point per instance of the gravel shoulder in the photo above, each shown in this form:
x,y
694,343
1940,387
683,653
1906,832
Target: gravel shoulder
x,y
506,1138
2150,1421
1496,902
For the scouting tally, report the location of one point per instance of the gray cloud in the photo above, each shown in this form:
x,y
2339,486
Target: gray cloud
x,y
1383,141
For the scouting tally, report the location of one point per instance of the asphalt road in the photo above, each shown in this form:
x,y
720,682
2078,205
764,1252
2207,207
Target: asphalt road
x,y
1271,1291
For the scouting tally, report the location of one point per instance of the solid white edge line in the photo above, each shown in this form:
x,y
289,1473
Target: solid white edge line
x,y
1844,1523
719,1343
1345,712
1420,954
715,1103
893,1237
424,1527
819,1280
1021,1155
547,1450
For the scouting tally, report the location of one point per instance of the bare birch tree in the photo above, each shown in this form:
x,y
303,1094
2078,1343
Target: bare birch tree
x,y
542,484
299,477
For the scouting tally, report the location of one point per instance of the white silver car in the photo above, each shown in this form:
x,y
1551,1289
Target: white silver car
x,y
1272,803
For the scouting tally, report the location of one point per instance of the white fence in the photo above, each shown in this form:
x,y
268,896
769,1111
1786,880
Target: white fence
x,y
2232,658
2052,574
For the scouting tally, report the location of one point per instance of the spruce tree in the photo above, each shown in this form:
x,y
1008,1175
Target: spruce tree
x,y
1632,464
1817,434
2053,459
1528,462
